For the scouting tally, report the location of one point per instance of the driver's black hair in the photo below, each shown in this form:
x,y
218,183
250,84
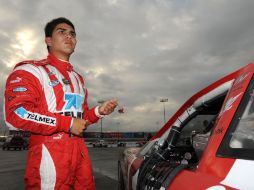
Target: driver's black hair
x,y
50,26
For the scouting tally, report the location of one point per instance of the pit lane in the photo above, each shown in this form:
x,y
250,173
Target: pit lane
x,y
12,168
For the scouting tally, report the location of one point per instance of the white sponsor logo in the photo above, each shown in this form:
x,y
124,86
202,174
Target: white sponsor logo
x,y
229,103
59,136
16,80
240,79
24,114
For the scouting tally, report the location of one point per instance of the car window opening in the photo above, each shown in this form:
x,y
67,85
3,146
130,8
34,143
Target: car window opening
x,y
182,148
239,139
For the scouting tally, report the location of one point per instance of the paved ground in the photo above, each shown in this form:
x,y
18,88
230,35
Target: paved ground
x,y
12,165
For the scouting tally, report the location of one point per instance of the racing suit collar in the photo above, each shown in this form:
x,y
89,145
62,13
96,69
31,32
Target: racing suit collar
x,y
60,64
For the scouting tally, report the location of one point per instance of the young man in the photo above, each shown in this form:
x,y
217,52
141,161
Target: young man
x,y
48,98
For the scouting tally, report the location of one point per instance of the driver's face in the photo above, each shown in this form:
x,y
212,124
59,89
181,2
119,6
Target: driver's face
x,y
63,40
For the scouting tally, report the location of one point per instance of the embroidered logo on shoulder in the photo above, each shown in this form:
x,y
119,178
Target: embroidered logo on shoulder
x,y
19,89
18,79
54,83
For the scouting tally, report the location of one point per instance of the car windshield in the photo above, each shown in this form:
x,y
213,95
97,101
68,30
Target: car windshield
x,y
243,136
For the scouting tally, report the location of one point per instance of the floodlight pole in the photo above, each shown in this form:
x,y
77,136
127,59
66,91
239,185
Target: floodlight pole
x,y
163,100
101,102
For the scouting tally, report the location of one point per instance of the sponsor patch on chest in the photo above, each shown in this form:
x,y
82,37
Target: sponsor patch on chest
x,y
19,89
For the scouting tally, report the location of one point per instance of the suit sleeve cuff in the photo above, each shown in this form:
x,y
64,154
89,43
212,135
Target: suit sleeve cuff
x,y
64,123
96,111
70,129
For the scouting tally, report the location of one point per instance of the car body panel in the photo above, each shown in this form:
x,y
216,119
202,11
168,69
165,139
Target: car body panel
x,y
216,172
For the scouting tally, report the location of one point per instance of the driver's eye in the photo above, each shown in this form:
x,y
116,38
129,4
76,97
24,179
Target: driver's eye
x,y
73,34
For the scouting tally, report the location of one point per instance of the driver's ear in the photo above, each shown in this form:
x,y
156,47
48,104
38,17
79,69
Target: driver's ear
x,y
48,41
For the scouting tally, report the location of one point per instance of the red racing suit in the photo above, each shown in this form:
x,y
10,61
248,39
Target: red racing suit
x,y
43,97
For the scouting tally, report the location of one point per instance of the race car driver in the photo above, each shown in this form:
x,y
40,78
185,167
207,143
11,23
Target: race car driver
x,y
49,99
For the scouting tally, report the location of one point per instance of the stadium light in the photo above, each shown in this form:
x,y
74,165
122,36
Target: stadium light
x,y
163,100
101,102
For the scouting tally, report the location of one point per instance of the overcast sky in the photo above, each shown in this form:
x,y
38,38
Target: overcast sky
x,y
136,50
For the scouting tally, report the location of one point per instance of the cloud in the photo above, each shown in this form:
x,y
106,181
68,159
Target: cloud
x,y
137,50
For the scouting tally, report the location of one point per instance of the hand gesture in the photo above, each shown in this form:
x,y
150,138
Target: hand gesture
x,y
108,107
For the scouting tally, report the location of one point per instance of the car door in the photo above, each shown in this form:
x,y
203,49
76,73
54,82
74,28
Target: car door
x,y
189,158
227,161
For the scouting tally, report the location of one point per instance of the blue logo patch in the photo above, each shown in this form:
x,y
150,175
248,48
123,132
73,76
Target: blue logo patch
x,y
19,89
73,100
21,112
